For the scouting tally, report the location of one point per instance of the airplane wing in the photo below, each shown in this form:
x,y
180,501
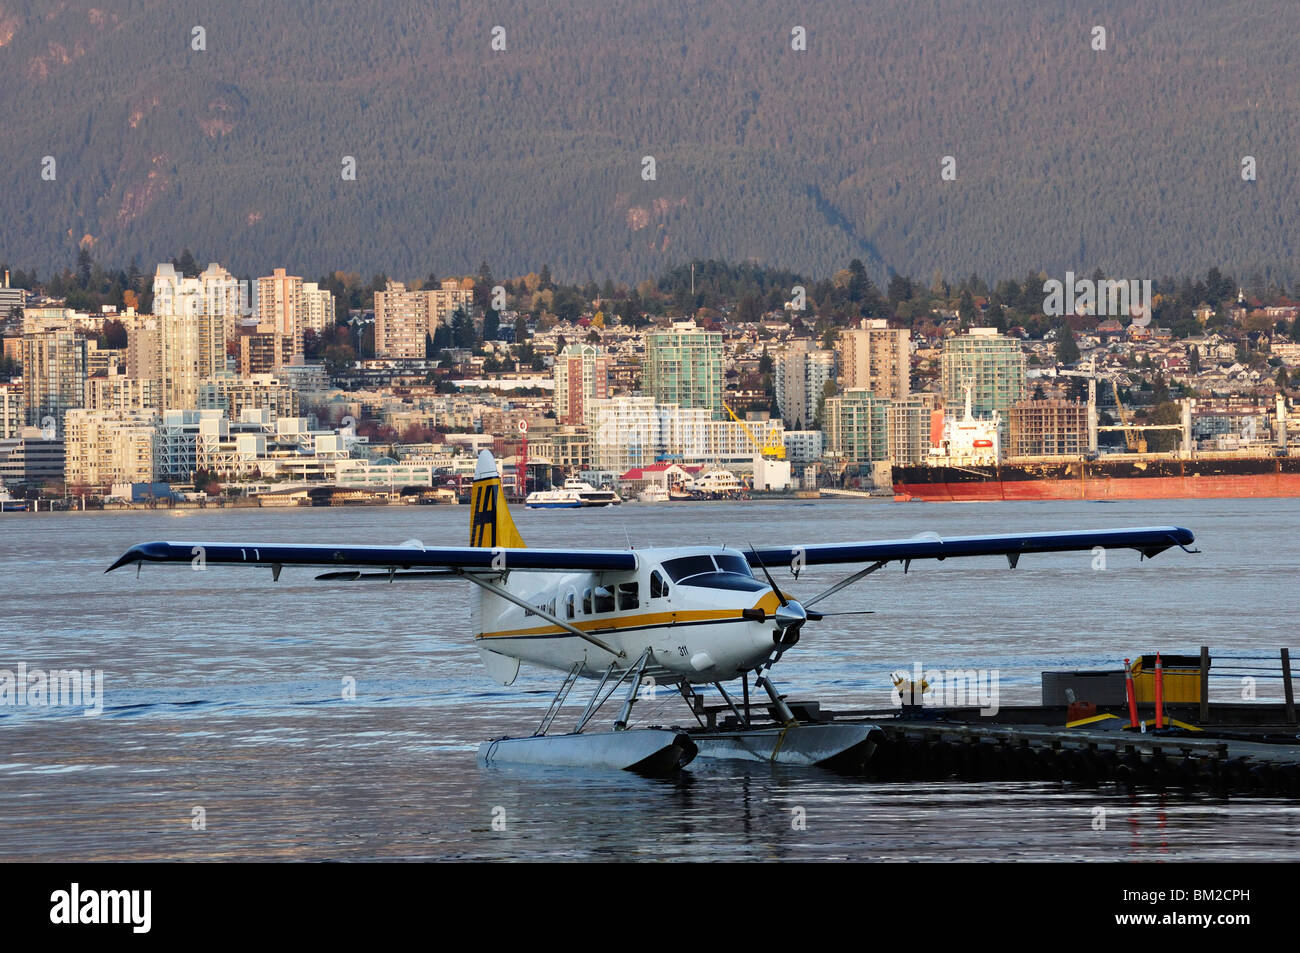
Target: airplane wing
x,y
1148,540
446,560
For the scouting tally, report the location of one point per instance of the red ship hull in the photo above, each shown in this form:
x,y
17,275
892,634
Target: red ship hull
x,y
1237,478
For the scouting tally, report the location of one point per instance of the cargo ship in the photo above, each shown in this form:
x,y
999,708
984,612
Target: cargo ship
x,y
1117,477
965,464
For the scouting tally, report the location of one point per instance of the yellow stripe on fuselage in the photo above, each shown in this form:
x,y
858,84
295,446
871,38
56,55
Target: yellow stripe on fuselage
x,y
767,603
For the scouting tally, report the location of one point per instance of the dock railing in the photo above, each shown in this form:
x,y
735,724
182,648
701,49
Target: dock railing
x,y
1256,667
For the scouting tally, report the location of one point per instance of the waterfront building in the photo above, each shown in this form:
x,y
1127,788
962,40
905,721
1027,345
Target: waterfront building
x,y
32,459
1048,428
857,426
13,414
104,447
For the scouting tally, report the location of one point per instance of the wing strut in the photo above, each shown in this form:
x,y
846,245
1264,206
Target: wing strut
x,y
554,620
845,582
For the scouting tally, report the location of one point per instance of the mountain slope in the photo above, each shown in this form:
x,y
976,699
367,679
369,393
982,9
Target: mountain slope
x,y
1126,159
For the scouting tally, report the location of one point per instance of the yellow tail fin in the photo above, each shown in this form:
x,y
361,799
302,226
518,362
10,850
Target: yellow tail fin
x,y
490,523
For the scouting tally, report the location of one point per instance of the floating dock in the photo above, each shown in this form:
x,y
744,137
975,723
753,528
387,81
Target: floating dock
x,y
1246,748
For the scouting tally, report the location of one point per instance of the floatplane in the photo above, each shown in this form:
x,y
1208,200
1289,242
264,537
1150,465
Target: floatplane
x,y
684,616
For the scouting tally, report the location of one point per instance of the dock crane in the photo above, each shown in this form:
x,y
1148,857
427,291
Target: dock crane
x,y
1136,440
768,452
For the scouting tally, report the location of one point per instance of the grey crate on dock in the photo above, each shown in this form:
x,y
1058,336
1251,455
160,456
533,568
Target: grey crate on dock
x,y
1100,688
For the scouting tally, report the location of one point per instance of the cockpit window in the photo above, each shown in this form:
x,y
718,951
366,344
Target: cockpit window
x,y
730,562
658,587
684,567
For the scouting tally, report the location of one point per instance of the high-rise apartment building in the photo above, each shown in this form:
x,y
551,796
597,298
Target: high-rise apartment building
x,y
857,426
13,416
404,318
581,374
801,373
402,322
875,357
119,392
54,375
992,365
191,315
683,366
317,309
280,304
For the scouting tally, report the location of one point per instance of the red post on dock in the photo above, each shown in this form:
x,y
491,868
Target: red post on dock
x,y
1160,693
1132,695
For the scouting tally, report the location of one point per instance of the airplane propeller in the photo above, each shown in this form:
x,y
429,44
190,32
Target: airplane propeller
x,y
790,617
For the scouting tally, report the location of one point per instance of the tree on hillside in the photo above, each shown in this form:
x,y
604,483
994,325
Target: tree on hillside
x,y
462,330
748,309
1067,348
186,264
966,309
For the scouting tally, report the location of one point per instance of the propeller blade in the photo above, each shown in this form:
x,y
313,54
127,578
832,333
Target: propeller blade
x,y
816,616
770,581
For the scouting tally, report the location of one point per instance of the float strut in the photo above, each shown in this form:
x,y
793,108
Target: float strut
x,y
782,709
632,689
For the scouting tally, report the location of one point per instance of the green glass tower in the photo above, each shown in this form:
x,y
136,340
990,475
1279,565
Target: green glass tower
x,y
683,366
992,365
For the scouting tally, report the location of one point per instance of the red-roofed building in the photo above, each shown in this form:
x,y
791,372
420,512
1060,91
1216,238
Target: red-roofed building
x,y
658,474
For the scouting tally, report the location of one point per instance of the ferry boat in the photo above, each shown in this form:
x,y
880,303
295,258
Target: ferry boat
x,y
573,495
654,493
10,505
716,484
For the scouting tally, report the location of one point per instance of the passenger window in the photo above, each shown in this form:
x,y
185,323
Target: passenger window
x,y
658,586
604,600
568,605
628,596
586,602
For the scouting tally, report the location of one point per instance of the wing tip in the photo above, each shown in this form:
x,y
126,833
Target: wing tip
x,y
136,554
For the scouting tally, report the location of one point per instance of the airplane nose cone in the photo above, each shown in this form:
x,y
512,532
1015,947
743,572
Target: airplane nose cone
x,y
790,615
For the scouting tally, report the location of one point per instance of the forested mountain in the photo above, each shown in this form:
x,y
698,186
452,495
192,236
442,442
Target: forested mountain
x,y
1127,159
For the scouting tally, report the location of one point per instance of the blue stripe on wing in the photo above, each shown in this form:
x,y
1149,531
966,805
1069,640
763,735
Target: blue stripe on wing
x,y
1148,540
387,557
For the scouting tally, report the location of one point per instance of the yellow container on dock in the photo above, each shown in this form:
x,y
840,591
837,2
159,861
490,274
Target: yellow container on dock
x,y
1182,679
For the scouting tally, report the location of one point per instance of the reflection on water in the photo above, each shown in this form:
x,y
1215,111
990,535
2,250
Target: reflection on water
x,y
223,693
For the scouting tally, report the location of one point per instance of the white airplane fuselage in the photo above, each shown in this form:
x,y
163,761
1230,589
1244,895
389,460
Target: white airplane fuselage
x,y
698,609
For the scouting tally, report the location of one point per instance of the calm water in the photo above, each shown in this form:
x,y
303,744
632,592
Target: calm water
x,y
222,692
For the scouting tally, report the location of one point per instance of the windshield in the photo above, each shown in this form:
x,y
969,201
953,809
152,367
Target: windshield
x,y
686,566
730,562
